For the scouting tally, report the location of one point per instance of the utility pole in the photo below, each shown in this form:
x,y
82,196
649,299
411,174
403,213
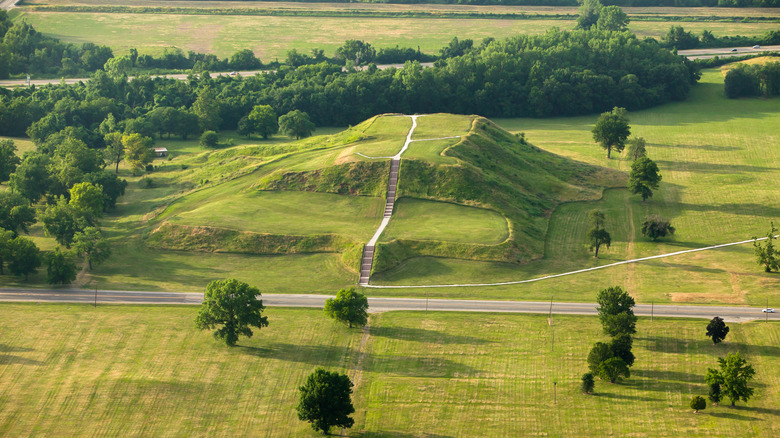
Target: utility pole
x,y
95,297
555,392
549,317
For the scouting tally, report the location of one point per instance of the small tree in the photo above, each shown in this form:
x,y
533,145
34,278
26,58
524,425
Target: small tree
x,y
91,245
588,383
717,330
62,222
325,400
656,227
234,305
88,199
60,269
115,150
733,377
16,214
597,235
612,369
636,148
24,257
714,393
621,346
8,159
599,353
246,126
612,130
296,124
209,139
644,177
348,307
616,311
138,151
766,254
698,404
264,120
6,237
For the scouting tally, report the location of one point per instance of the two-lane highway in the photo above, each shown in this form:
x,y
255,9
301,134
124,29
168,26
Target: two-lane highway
x,y
376,304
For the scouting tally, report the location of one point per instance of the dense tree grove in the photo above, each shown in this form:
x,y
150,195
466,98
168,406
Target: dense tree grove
x,y
558,73
753,80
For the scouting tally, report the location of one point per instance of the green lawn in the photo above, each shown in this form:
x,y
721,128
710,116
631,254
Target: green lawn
x,y
420,219
289,213
271,37
719,185
130,370
384,138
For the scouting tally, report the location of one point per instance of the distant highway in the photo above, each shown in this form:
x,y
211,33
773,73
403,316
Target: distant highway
x,y
8,4
725,52
180,76
735,314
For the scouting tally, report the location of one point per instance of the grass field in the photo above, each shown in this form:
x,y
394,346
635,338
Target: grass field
x,y
420,219
129,370
272,37
719,172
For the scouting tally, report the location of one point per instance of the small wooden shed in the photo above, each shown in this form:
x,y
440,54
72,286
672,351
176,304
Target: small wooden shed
x,y
161,152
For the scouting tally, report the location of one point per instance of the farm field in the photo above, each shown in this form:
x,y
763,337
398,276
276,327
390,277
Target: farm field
x,y
111,370
718,187
271,37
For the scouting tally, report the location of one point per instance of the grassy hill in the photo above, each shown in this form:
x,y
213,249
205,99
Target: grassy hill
x,y
494,194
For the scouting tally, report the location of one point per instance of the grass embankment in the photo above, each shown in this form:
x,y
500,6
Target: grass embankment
x,y
719,185
494,170
271,37
129,370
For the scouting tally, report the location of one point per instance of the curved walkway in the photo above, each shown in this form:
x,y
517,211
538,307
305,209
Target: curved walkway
x,y
579,271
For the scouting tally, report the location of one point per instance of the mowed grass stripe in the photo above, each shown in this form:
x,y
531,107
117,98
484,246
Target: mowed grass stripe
x,y
136,371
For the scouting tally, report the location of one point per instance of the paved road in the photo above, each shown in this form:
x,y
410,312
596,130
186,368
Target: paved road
x,y
179,76
741,51
735,314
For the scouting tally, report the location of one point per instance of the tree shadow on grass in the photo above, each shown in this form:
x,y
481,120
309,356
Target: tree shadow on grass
x,y
703,147
321,355
7,359
666,381
626,397
773,412
732,416
394,434
417,366
423,335
4,348
663,344
712,168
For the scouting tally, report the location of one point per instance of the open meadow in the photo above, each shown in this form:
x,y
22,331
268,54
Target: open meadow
x,y
271,37
145,371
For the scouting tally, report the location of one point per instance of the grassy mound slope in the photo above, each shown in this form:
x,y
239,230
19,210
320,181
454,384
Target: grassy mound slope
x,y
499,171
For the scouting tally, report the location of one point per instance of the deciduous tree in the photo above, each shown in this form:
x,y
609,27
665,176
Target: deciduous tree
x,y
115,150
325,400
88,199
16,214
733,377
138,151
264,120
209,139
8,159
91,245
6,237
714,394
234,306
612,369
698,404
615,307
766,253
349,307
62,222
637,148
24,257
612,130
597,235
296,124
60,269
599,353
588,383
717,330
656,227
644,177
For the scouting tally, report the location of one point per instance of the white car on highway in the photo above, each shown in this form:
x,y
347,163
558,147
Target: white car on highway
x,y
768,310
